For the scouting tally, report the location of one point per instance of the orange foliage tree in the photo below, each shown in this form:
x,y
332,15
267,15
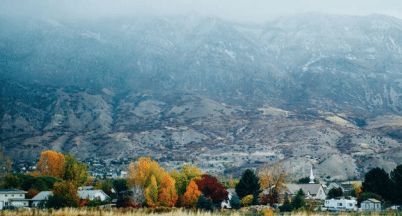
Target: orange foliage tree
x,y
51,164
190,197
168,195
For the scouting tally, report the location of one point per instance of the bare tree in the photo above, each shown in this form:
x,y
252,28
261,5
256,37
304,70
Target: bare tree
x,y
273,177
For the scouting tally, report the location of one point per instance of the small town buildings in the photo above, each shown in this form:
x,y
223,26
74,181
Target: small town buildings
x,y
340,205
93,194
12,197
371,205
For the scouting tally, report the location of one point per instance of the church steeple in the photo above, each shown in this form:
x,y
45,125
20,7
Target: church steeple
x,y
311,176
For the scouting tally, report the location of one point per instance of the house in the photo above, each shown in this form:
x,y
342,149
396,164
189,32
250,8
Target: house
x,y
40,198
226,203
371,205
93,194
12,197
340,205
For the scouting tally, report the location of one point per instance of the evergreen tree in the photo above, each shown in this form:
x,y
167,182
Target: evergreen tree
x,y
396,177
248,185
298,200
377,181
204,203
235,202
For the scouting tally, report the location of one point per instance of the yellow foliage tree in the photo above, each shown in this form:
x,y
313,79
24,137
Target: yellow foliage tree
x,y
140,172
151,193
190,197
51,164
273,177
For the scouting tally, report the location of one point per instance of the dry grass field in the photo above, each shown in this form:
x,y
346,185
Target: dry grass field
x,y
177,212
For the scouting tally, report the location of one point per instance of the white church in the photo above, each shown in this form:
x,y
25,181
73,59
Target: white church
x,y
312,190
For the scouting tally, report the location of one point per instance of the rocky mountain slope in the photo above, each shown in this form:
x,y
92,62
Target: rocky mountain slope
x,y
308,89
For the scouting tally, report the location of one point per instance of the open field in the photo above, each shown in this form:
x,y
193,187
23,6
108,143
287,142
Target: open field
x,y
146,212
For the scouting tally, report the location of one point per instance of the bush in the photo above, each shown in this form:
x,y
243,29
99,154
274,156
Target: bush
x,y
235,202
247,200
204,203
334,192
61,202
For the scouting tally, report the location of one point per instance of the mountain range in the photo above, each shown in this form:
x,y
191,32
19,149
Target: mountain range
x,y
309,89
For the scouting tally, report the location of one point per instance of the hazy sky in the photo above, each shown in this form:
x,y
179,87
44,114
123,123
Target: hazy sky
x,y
240,10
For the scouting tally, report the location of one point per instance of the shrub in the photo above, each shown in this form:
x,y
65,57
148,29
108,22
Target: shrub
x,y
247,200
204,203
235,202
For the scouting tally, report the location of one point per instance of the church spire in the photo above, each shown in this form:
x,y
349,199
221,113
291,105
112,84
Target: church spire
x,y
311,176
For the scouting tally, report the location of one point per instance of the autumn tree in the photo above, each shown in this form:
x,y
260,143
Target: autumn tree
x,y
183,178
141,172
64,195
151,193
167,194
51,164
212,189
273,178
75,171
190,197
147,174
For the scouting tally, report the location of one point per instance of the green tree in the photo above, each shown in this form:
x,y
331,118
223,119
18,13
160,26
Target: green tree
x,y
334,192
151,193
204,203
248,185
5,166
120,185
64,195
75,171
298,200
396,177
235,202
377,181
183,178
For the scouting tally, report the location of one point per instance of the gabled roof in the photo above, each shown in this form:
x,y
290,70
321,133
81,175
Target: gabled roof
x,y
373,200
83,194
42,195
312,189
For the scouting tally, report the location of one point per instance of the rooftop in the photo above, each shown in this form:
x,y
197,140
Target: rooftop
x,y
11,191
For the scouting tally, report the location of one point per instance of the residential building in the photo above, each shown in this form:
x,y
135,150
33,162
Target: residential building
x,y
12,197
93,194
40,198
371,205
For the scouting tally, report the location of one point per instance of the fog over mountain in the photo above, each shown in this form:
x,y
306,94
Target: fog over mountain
x,y
312,88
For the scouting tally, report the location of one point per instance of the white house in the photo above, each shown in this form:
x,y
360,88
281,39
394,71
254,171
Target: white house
x,y
12,197
340,205
226,204
93,194
40,197
371,205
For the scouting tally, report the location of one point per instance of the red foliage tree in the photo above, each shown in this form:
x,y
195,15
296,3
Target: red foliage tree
x,y
211,188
